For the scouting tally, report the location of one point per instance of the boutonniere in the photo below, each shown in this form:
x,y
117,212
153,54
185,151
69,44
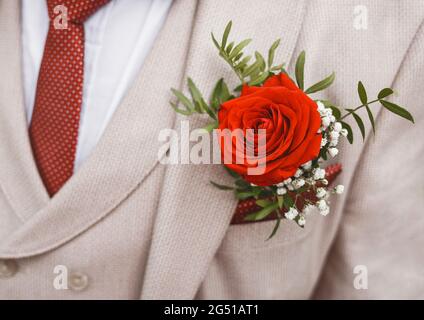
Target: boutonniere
x,y
273,137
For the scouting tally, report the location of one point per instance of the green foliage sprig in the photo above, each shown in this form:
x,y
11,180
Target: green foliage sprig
x,y
342,113
254,70
250,71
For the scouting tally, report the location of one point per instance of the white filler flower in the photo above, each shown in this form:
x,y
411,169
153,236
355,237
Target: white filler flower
x,y
291,214
339,189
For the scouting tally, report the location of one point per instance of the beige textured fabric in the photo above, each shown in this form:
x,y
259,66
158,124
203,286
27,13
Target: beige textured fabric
x,y
138,229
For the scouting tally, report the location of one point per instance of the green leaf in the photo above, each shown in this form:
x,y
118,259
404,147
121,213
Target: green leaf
x,y
323,154
242,183
321,85
275,229
253,68
211,126
299,70
349,131
263,203
263,213
232,173
183,99
243,63
261,60
238,48
229,47
280,200
271,52
264,193
362,93
238,88
225,35
220,94
360,124
327,103
261,78
215,42
200,104
197,96
221,186
183,112
385,93
245,60
288,201
242,195
210,112
278,68
402,112
255,74
371,117
238,56
336,112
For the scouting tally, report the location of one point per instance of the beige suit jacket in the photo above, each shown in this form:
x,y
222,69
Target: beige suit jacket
x,y
126,226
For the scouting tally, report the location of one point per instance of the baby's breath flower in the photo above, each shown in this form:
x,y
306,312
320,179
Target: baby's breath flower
x,y
287,181
298,173
320,106
321,193
291,214
327,112
334,135
323,142
281,191
325,122
307,165
337,127
322,205
339,189
298,183
325,212
301,221
344,132
333,152
334,142
318,173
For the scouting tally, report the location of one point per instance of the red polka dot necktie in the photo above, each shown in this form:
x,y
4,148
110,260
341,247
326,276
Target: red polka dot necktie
x,y
55,120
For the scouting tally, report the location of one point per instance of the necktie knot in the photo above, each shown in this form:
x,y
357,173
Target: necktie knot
x,y
77,11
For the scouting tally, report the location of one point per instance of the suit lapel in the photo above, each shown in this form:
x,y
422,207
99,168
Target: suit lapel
x,y
124,157
19,177
193,216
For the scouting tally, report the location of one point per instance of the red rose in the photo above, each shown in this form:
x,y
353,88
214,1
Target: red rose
x,y
291,121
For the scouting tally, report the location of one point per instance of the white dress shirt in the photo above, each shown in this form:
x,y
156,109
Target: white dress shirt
x,y
118,38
